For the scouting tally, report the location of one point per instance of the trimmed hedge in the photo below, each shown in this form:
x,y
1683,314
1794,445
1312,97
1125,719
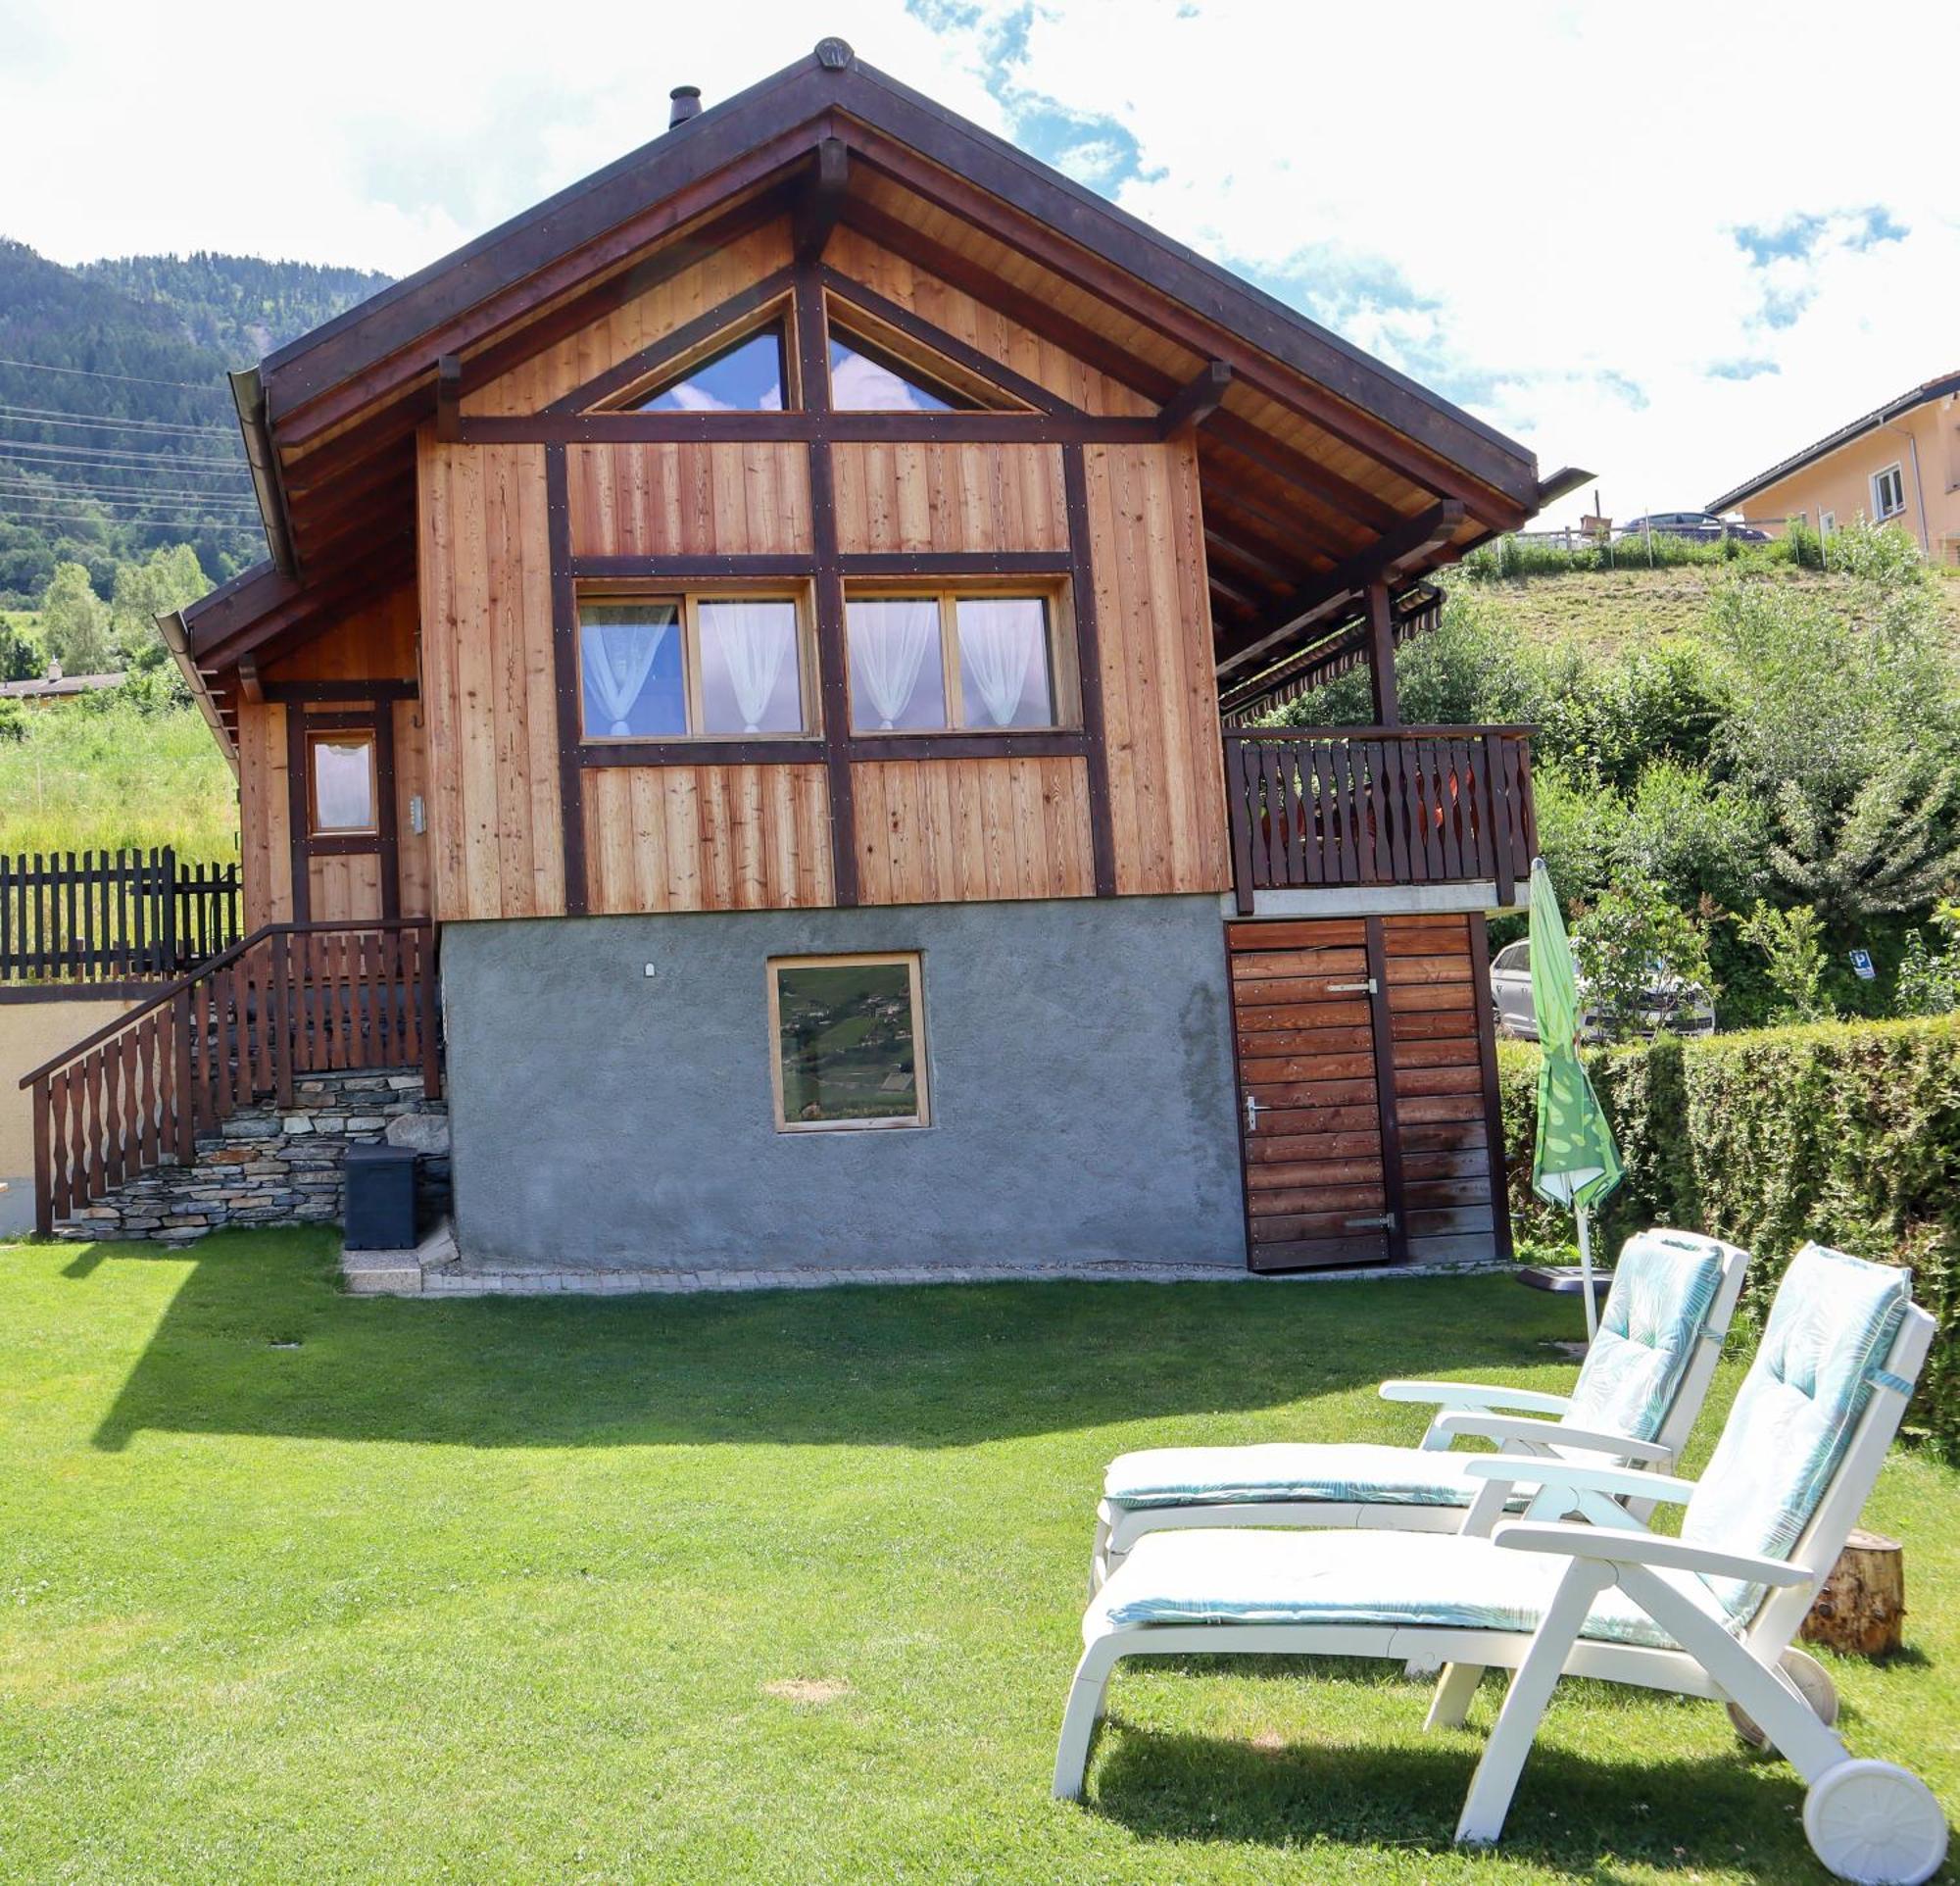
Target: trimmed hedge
x,y
1848,1133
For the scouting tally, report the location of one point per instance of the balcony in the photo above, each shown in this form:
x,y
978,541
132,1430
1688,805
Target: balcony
x,y
1346,808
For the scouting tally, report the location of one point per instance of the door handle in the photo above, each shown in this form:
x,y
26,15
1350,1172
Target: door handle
x,y
1352,988
1386,1222
1253,1111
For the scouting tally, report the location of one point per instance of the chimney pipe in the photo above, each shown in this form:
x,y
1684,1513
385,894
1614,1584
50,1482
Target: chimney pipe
x,y
686,102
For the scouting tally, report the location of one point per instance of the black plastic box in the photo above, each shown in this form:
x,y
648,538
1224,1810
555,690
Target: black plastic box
x,y
379,1212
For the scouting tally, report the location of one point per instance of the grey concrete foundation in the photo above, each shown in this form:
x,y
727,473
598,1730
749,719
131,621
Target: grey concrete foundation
x,y
1078,1053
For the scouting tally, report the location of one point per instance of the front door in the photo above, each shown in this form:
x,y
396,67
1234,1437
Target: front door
x,y
1323,1180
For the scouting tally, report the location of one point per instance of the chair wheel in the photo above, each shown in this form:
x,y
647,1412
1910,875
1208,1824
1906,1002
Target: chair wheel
x,y
1874,1823
1811,1679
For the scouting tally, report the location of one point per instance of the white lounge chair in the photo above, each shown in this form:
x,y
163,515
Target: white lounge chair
x,y
1637,1394
1711,1612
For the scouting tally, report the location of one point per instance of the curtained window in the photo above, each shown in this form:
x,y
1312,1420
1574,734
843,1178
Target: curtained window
x,y
975,663
847,1040
345,793
667,668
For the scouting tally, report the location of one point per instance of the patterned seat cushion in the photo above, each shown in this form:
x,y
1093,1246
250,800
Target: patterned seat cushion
x,y
1829,1329
1279,1471
1251,1577
1663,1289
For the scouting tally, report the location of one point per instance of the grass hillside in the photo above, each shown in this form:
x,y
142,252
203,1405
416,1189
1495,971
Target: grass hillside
x,y
88,777
1602,611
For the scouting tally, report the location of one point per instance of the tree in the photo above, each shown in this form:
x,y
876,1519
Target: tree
x,y
164,580
1929,981
21,658
1632,946
74,621
1792,940
1894,848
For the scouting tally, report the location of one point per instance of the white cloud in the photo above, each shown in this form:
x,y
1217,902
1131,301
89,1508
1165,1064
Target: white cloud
x,y
1534,207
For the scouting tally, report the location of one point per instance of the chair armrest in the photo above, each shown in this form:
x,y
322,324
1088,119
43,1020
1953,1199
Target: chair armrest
x,y
1476,1394
1580,1476
1531,1433
1608,1545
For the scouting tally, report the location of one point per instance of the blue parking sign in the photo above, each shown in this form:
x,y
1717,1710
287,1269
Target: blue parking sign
x,y
1861,962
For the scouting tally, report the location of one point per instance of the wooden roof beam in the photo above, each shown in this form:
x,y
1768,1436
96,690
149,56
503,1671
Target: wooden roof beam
x,y
1195,401
823,201
1415,539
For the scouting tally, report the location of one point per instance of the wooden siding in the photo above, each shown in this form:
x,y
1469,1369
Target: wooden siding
x,y
948,497
1159,696
377,643
344,889
488,685
707,838
558,370
950,831
264,816
411,780
689,500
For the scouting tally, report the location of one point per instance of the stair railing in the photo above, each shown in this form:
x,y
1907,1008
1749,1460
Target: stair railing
x,y
290,999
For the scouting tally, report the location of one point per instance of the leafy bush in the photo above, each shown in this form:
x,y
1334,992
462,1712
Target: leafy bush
x,y
1627,945
1929,981
1510,558
1789,941
1848,1133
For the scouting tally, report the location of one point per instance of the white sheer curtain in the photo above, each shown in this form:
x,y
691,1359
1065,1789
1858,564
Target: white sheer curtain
x,y
755,639
890,639
619,649
997,641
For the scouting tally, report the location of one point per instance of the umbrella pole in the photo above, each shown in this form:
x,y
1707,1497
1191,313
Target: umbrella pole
x,y
1585,1275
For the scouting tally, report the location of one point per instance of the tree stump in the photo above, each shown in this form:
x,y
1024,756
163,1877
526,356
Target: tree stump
x,y
1861,1609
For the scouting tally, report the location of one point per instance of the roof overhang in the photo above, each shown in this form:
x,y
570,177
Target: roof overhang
x,y
1317,461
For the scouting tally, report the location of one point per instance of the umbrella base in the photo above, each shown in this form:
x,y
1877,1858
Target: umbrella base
x,y
1563,1279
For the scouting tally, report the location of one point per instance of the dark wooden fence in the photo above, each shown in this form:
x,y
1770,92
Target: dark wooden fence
x,y
290,999
113,916
1354,806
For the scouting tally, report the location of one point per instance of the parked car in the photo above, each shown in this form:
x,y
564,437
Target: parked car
x,y
1674,1007
1700,526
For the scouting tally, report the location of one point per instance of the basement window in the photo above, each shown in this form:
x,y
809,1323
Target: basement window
x,y
846,1042
344,788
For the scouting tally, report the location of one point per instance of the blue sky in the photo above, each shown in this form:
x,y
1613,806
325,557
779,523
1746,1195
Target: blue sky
x,y
1670,243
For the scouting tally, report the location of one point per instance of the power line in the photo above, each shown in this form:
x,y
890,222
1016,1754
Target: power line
x,y
63,451
55,415
158,520
46,486
133,379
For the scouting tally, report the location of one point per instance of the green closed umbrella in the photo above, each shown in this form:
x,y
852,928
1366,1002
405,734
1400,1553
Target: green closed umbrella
x,y
1575,1162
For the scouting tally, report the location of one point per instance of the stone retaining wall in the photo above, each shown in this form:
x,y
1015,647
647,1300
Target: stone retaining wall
x,y
268,1167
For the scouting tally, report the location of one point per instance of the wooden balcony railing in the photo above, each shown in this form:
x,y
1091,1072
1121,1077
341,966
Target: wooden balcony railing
x,y
1340,807
290,999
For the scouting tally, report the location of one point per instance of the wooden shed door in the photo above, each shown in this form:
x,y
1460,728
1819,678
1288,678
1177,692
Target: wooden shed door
x,y
1367,1091
1322,1182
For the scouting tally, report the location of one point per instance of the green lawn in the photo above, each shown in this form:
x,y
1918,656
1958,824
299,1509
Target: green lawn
x,y
778,1587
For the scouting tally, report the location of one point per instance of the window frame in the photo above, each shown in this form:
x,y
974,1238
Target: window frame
x,y
363,736
914,962
779,314
1059,639
1896,472
689,599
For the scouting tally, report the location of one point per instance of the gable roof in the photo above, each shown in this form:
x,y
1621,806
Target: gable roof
x,y
1931,389
1315,452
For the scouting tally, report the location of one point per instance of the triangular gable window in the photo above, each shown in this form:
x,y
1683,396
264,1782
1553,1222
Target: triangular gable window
x,y
744,377
866,380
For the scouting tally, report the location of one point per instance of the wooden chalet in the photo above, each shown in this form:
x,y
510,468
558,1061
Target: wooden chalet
x,y
781,624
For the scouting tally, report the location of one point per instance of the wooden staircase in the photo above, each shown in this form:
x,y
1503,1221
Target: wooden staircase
x,y
291,999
